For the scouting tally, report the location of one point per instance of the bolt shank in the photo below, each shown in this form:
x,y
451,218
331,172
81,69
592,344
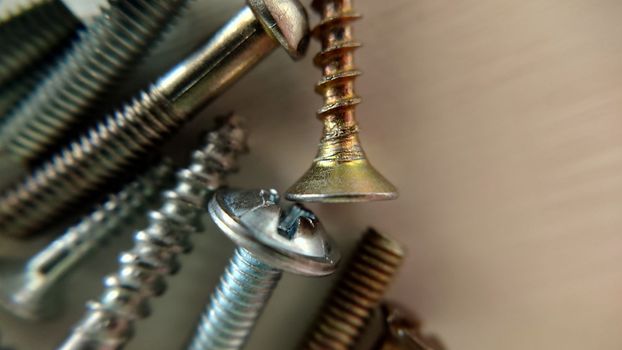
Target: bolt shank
x,y
231,52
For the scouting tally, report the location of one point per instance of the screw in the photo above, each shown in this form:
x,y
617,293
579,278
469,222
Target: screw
x,y
344,315
402,331
111,146
108,323
31,290
269,241
340,171
109,47
30,33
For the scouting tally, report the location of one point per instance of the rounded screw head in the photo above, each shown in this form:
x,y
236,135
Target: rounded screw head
x,y
289,239
286,21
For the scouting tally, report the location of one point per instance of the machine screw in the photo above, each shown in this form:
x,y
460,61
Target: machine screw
x,y
269,241
108,323
402,331
346,312
31,33
340,171
31,290
113,145
118,38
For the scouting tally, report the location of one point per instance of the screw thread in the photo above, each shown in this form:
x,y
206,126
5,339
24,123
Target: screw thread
x,y
30,298
104,52
243,291
30,33
344,315
108,323
107,149
336,59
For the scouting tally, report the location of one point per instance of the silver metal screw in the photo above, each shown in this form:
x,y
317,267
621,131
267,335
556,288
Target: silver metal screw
x,y
108,323
269,240
112,146
118,38
30,33
31,290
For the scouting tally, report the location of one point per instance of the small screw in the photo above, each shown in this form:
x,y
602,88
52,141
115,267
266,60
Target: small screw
x,y
269,241
402,331
110,147
346,312
31,290
108,322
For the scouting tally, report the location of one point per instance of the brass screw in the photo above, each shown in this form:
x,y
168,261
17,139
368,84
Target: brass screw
x,y
340,171
349,307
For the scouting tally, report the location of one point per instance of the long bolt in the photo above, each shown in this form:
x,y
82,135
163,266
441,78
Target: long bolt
x,y
113,145
269,241
31,290
340,171
104,52
31,33
108,323
345,314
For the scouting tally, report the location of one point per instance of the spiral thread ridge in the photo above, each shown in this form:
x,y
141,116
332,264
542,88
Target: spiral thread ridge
x,y
243,291
336,59
108,323
107,149
31,33
102,54
344,315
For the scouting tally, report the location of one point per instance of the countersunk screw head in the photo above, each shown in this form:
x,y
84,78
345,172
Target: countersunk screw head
x,y
291,240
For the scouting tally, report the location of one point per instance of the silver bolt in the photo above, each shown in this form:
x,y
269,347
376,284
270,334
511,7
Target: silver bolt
x,y
110,147
31,290
108,323
110,46
269,241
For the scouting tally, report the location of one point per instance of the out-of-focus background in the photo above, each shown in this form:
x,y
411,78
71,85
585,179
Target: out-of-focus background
x,y
501,123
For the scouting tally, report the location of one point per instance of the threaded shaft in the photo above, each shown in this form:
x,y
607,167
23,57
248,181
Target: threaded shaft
x,y
244,290
336,59
344,315
105,51
31,33
105,150
108,323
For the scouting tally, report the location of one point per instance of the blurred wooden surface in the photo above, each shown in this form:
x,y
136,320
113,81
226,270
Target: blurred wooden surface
x,y
501,123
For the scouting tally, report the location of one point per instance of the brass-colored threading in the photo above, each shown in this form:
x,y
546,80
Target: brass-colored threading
x,y
346,312
336,59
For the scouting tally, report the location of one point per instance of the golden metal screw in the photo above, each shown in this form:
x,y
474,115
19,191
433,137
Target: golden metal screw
x,y
345,314
340,171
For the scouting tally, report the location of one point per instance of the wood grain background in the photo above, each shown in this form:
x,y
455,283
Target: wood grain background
x,y
501,123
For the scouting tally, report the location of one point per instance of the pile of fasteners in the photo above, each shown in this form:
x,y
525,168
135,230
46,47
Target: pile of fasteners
x,y
55,72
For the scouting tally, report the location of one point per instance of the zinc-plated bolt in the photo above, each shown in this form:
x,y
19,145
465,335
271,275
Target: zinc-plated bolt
x,y
31,290
113,145
345,314
118,38
269,241
340,171
108,323
31,33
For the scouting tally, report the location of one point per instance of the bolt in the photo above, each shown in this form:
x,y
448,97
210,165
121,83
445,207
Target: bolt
x,y
104,52
108,323
402,331
340,171
269,241
346,312
113,145
30,33
31,290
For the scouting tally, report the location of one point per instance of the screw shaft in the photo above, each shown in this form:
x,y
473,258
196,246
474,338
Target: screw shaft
x,y
344,315
243,292
108,323
43,272
119,37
